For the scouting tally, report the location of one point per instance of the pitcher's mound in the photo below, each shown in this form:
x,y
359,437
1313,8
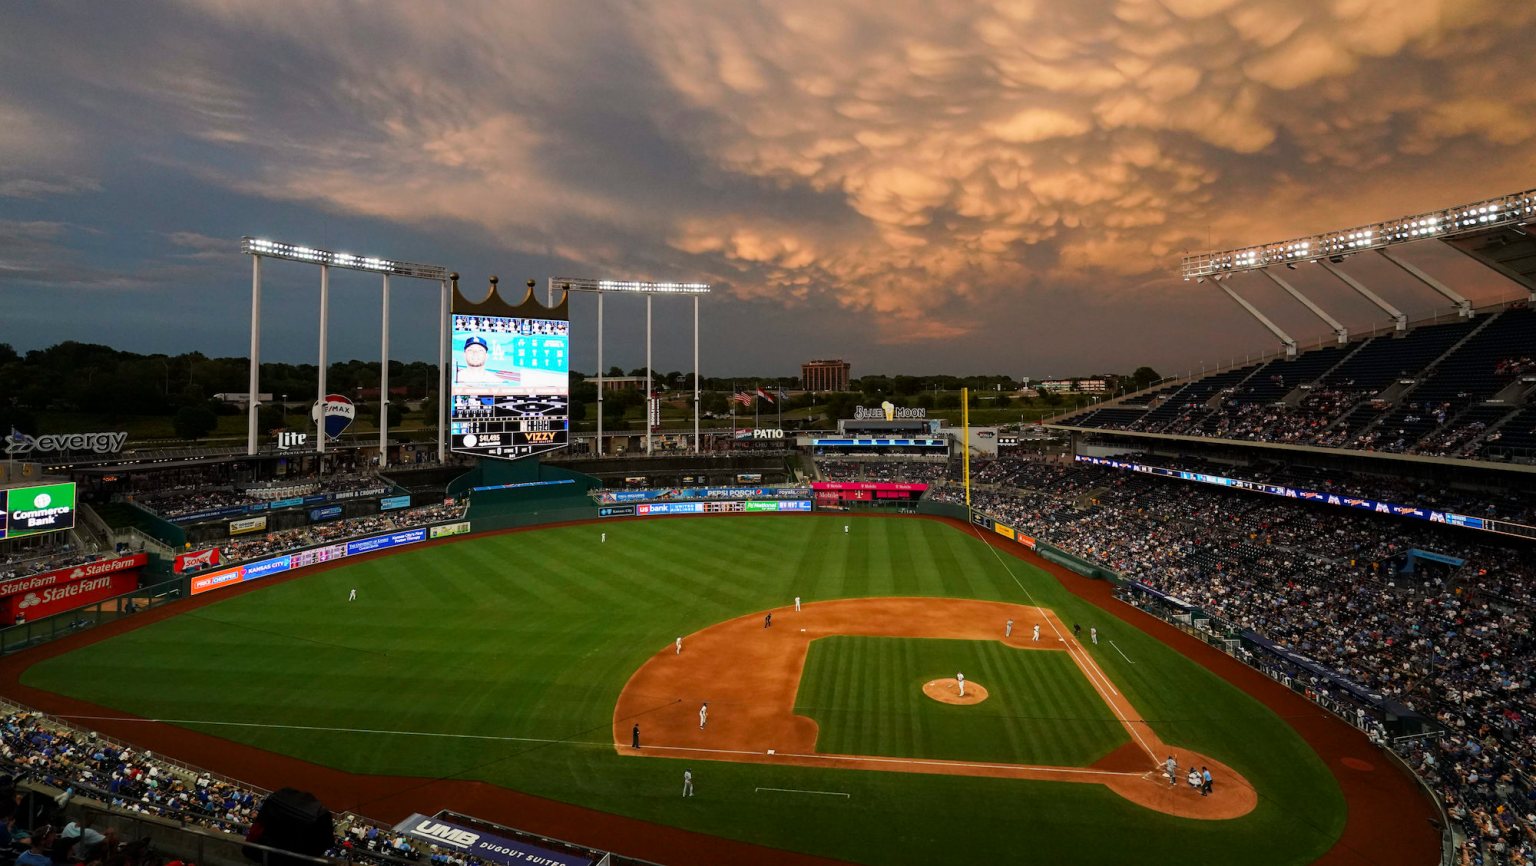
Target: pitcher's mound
x,y
947,691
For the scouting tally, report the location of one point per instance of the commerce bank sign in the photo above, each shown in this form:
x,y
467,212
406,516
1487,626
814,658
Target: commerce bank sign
x,y
888,411
102,443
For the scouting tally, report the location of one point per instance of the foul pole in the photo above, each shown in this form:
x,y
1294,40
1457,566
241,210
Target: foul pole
x,y
965,440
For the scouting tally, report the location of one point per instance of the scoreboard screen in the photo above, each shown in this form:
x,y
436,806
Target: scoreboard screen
x,y
32,510
511,385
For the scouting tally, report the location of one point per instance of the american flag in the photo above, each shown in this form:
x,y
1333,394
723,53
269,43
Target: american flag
x,y
743,398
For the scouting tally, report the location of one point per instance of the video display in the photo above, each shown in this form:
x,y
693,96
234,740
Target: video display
x,y
33,510
511,385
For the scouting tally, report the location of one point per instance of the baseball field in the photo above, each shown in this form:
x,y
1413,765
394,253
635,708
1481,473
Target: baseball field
x,y
523,661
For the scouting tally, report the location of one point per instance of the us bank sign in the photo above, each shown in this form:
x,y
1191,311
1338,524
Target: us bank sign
x,y
17,443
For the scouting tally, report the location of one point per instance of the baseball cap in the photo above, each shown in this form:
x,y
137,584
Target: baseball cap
x,y
477,341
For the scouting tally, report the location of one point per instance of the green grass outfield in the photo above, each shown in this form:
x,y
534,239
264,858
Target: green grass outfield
x,y
533,635
865,694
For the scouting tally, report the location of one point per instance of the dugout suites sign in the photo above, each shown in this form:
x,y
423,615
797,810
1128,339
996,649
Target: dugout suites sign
x,y
486,846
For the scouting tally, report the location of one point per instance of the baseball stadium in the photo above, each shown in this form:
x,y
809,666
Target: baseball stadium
x,y
1270,613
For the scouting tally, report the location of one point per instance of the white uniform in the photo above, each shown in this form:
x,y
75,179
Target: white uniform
x,y
961,679
352,596
687,783
1094,633
605,538
679,646
703,715
797,604
1037,631
845,528
1008,629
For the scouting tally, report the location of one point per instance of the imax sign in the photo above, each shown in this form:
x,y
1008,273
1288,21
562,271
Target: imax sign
x,y
101,443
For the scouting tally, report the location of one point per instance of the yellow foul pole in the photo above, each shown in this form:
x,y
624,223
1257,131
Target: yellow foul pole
x,y
965,440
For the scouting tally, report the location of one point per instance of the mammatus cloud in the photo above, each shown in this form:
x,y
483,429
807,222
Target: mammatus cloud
x,y
926,162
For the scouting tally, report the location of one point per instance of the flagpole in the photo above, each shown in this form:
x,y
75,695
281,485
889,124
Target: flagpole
x,y
756,401
733,414
778,403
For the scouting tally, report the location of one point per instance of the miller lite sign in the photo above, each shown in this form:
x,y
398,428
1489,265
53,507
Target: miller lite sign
x,y
334,415
289,439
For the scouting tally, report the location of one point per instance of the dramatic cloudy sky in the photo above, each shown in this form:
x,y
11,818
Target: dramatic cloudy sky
x,y
915,185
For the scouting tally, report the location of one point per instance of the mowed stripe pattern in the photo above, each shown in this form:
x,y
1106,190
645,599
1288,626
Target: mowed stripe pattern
x,y
865,694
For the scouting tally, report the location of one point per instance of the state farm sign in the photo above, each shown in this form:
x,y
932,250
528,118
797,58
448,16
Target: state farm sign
x,y
32,606
47,579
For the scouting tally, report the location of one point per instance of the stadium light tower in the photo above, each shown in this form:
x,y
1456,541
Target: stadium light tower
x,y
649,289
259,249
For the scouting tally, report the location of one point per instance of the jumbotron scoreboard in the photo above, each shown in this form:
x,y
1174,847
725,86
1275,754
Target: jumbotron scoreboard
x,y
511,385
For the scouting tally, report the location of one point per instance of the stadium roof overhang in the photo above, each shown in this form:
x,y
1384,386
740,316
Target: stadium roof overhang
x,y
1508,249
1514,211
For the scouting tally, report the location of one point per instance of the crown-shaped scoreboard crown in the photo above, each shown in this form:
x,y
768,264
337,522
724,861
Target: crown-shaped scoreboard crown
x,y
494,304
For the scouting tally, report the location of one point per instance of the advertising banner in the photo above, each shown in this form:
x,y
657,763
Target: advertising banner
x,y
57,599
196,561
474,842
389,503
33,510
1025,540
449,529
382,542
329,512
78,572
616,511
1346,501
214,580
249,524
878,486
1004,531
275,565
762,506
316,555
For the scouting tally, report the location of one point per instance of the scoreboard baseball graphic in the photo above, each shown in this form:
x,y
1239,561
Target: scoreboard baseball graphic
x,y
511,376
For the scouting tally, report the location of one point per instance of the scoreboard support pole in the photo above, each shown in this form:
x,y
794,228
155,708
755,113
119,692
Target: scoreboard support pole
x,y
443,397
696,447
325,327
250,431
384,379
601,387
650,386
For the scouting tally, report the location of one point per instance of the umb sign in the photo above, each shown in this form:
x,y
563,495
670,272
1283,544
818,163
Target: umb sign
x,y
31,510
887,411
486,846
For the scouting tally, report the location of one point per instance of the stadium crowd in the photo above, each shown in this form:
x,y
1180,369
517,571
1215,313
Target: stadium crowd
x,y
273,543
24,563
1344,588
882,470
182,501
39,748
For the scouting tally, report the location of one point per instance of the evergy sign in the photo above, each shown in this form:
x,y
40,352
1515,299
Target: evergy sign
x,y
101,443
486,846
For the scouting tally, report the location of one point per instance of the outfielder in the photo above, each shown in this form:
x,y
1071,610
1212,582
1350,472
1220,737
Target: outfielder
x,y
797,604
352,596
605,538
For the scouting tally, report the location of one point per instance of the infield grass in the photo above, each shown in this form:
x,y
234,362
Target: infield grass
x,y
866,695
532,635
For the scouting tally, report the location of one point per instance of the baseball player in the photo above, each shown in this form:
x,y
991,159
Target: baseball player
x,y
1037,632
1008,629
703,714
634,737
961,679
768,621
605,538
476,353
687,783
352,596
679,644
797,604
845,529
1171,767
1094,633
